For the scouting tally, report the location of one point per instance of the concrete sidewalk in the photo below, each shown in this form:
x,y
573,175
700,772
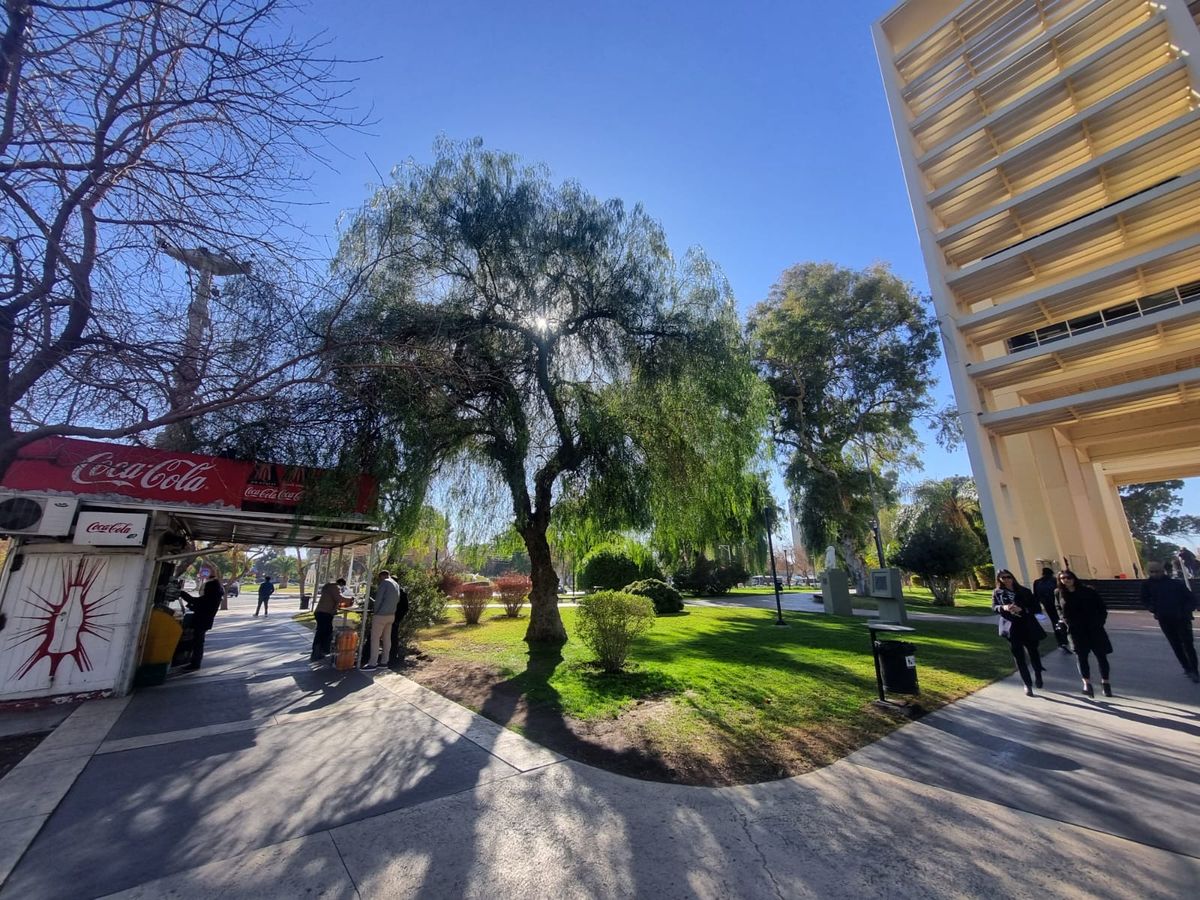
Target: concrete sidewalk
x,y
260,777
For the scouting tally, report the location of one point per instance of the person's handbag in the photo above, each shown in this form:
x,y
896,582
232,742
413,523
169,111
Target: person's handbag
x,y
1005,627
1044,621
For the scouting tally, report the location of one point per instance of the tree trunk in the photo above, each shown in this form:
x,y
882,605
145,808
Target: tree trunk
x,y
942,590
857,570
303,570
545,623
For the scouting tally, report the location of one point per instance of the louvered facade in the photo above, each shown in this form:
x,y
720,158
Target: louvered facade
x,y
1052,154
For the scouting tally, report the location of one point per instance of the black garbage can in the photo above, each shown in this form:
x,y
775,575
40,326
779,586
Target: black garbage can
x,y
898,666
304,598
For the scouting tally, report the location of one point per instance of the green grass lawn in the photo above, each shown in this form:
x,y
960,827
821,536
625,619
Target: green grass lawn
x,y
966,602
732,693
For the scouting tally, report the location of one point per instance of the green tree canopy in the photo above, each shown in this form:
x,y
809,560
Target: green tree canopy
x,y
1153,512
848,356
510,320
936,535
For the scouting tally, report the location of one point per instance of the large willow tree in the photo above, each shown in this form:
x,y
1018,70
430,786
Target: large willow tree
x,y
547,335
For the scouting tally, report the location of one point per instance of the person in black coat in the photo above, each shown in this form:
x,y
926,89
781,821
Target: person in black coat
x,y
1018,610
204,612
1172,605
1045,589
1085,614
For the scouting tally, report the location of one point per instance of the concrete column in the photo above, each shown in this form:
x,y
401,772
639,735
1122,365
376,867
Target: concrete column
x,y
1040,491
985,464
1127,553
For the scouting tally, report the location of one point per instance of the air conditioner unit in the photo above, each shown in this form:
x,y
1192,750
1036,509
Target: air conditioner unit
x,y
36,514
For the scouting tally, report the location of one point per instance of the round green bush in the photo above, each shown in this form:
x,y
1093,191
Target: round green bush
x,y
611,568
664,597
608,622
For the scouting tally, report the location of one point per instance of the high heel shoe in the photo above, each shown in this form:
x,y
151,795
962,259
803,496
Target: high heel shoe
x,y
1106,688
1089,690
1028,691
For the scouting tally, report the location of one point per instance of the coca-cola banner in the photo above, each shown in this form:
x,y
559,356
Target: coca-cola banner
x,y
91,468
106,529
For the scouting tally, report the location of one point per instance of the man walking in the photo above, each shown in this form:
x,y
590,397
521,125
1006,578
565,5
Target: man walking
x,y
1043,592
1172,604
387,598
332,596
265,590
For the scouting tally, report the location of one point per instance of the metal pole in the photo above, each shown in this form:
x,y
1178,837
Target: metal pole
x,y
774,577
878,673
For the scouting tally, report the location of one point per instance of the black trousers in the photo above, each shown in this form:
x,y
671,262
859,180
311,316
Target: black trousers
x,y
1019,650
1085,671
262,604
323,639
198,646
1180,637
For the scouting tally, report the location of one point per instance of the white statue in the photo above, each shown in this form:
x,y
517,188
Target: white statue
x,y
830,557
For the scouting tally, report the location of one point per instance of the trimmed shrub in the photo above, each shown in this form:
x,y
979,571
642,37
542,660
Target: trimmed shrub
x,y
608,622
426,602
705,577
664,597
611,566
474,597
514,591
449,583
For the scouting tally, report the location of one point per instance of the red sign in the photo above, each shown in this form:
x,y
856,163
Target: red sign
x,y
66,465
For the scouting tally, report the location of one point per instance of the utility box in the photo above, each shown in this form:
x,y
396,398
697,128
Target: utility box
x,y
835,591
885,588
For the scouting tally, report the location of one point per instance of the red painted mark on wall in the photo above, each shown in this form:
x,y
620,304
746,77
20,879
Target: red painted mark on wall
x,y
65,621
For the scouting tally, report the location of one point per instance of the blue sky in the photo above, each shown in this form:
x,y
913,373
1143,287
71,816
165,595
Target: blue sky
x,y
756,130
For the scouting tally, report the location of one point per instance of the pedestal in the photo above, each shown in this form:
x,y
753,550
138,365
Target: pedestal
x,y
835,590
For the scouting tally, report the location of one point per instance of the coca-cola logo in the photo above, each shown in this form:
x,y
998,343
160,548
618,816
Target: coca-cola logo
x,y
110,528
273,494
174,475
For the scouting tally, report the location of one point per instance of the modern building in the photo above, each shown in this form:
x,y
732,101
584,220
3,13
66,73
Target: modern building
x,y
1052,154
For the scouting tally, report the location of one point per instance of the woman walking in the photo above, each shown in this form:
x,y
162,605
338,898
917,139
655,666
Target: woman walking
x,y
1018,623
1085,613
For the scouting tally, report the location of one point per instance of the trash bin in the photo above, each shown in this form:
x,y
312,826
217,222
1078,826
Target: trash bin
x,y
898,666
304,598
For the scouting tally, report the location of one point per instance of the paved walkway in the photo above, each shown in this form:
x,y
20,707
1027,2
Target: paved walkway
x,y
260,777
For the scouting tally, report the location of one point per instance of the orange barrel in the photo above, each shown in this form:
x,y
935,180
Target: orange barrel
x,y
346,646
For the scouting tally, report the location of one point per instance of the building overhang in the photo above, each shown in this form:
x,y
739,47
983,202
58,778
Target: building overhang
x,y
1118,400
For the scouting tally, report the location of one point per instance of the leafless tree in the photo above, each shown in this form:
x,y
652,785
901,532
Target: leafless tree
x,y
127,127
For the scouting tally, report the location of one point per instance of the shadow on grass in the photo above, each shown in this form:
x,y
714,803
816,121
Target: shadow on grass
x,y
750,701
530,697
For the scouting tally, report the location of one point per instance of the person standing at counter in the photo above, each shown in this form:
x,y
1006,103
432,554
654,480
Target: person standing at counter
x,y
204,612
387,599
332,597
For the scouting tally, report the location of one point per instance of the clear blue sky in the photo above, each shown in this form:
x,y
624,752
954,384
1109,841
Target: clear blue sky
x,y
756,130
